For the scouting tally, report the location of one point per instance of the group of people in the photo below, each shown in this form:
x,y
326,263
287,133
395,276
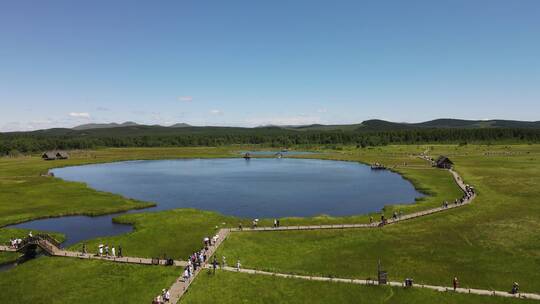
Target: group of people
x,y
16,242
396,215
468,193
197,259
255,224
164,297
105,251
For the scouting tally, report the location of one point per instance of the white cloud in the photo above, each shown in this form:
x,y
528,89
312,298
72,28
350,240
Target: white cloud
x,y
79,115
322,110
30,125
185,98
216,112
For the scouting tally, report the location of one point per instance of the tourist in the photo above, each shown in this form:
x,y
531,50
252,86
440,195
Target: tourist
x,y
515,288
100,249
238,265
167,296
224,259
455,283
119,251
107,250
383,220
214,264
30,234
240,226
394,215
186,274
113,250
371,219
275,223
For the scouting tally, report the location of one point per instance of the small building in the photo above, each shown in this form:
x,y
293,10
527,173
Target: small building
x,y
52,155
62,155
444,162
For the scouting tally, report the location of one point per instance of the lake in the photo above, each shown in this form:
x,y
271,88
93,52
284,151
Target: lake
x,y
255,188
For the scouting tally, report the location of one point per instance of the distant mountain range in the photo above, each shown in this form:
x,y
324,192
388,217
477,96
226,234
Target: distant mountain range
x,y
130,128
443,123
116,125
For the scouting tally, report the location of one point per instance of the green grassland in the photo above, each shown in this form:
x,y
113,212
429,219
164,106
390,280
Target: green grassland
x,y
25,195
178,233
488,244
175,233
233,288
64,280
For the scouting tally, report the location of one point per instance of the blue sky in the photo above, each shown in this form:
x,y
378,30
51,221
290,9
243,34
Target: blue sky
x,y
249,63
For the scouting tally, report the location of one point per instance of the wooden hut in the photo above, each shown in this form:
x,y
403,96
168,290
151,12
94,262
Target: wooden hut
x,y
444,162
49,155
52,155
62,155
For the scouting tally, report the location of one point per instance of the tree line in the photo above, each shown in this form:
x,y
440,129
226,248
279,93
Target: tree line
x,y
31,142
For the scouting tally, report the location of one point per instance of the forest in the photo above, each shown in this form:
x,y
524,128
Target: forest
x,y
147,136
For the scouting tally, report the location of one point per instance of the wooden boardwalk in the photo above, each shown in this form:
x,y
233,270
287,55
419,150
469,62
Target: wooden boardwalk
x,y
76,254
127,260
180,286
375,224
7,249
482,292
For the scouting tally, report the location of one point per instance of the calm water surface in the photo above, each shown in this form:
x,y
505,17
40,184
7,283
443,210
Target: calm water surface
x,y
256,188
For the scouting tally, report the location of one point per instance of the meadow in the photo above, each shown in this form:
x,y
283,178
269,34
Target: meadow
x,y
64,280
228,287
488,244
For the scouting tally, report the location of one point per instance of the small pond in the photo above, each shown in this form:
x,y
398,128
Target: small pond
x,y
255,188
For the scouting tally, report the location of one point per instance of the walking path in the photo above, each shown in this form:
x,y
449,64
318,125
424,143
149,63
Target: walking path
x,y
483,292
375,224
128,260
180,286
7,249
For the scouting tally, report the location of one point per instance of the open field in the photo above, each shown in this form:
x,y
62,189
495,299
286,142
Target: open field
x,y
488,244
64,280
227,287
